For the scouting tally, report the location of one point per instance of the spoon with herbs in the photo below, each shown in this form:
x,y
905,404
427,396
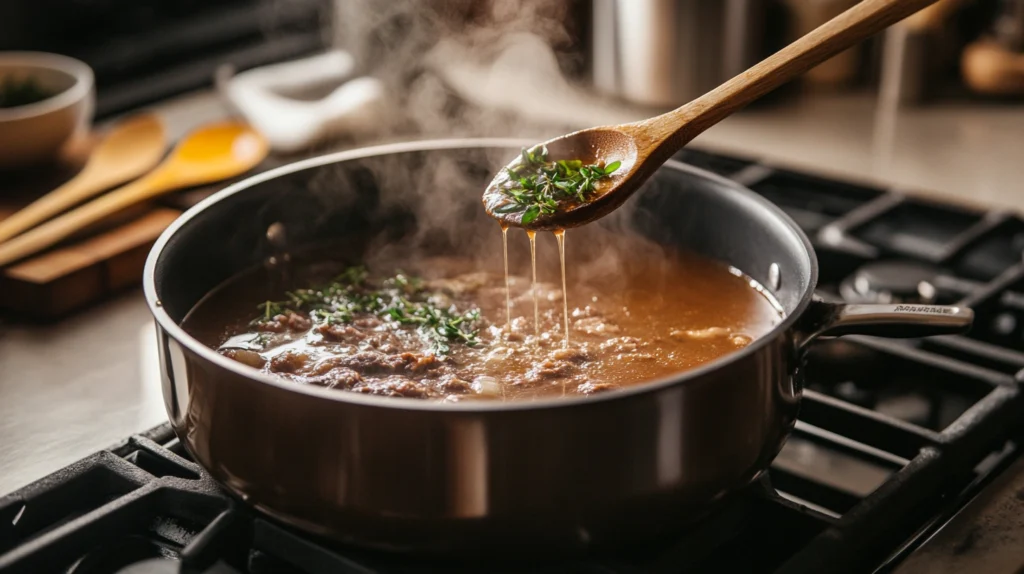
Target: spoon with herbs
x,y
580,177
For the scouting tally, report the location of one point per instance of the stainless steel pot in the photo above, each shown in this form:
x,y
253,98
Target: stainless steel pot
x,y
668,52
554,475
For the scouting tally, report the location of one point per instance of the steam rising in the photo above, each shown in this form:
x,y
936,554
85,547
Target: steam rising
x,y
458,68
474,68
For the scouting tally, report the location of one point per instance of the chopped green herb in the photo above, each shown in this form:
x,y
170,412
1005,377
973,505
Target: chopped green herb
x,y
536,186
268,310
402,298
15,92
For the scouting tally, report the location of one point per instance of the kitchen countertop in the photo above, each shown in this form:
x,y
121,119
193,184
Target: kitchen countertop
x,y
69,389
77,386
956,152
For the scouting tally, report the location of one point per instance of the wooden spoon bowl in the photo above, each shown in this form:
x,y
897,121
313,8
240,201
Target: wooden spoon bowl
x,y
591,145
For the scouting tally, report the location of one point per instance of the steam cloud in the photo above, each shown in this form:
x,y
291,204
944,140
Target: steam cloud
x,y
469,68
436,56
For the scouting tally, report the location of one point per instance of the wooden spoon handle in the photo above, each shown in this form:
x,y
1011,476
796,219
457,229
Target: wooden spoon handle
x,y
829,39
77,219
72,192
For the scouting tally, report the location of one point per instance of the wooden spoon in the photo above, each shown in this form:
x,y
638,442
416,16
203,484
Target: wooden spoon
x,y
643,146
132,148
209,154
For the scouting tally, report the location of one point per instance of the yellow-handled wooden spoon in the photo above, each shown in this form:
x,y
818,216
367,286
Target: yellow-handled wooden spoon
x,y
130,149
209,154
641,147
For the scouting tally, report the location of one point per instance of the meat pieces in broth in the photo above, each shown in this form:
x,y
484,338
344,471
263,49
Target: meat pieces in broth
x,y
443,334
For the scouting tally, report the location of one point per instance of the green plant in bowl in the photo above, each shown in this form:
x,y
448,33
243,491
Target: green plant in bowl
x,y
21,92
46,100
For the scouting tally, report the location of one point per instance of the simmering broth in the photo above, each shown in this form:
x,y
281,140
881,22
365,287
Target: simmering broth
x,y
442,329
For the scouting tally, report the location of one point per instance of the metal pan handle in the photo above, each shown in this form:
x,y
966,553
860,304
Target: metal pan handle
x,y
897,321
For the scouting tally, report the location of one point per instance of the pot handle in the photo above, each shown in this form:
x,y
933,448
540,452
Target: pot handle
x,y
825,319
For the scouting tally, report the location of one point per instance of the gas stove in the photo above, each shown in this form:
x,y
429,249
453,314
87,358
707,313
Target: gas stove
x,y
896,442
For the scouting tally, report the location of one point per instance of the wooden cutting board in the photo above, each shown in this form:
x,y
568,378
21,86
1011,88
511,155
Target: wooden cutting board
x,y
74,275
85,270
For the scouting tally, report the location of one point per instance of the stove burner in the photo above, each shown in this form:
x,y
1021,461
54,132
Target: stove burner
x,y
811,201
918,229
893,281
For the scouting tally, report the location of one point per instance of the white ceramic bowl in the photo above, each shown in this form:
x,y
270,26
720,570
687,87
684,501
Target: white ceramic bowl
x,y
34,133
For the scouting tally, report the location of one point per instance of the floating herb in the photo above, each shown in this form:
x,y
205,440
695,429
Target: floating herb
x,y
401,298
536,185
439,326
268,310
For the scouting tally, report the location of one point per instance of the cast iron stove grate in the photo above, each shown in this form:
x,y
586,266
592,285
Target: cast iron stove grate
x,y
142,506
892,439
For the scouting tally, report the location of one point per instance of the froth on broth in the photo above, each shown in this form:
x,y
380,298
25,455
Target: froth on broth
x,y
440,328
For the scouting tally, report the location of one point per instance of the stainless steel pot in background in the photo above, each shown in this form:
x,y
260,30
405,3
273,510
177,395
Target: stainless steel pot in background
x,y
667,52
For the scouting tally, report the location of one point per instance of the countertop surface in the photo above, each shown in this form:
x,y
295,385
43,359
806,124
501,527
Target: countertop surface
x,y
70,389
956,152
73,387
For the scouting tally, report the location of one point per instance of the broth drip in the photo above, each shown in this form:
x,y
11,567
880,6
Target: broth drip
x,y
560,236
508,296
533,286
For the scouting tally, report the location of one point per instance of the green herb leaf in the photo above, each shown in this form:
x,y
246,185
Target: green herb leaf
x,y
401,298
537,186
531,213
509,208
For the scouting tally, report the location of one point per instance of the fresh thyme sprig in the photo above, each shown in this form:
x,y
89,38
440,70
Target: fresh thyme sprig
x,y
537,185
401,298
440,326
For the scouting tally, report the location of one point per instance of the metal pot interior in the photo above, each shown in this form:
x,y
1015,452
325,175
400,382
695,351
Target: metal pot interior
x,y
426,198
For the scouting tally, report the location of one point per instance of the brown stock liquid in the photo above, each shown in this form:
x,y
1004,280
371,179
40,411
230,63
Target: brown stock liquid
x,y
652,317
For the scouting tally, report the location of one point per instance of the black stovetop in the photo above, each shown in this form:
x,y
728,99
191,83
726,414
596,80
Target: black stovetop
x,y
894,436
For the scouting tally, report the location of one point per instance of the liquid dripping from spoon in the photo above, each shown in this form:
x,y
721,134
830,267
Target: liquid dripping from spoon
x,y
533,286
508,296
560,236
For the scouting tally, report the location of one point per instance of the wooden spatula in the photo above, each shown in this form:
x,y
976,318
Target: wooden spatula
x,y
207,155
130,149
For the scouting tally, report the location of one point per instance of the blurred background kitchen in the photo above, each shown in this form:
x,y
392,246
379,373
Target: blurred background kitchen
x,y
931,108
931,104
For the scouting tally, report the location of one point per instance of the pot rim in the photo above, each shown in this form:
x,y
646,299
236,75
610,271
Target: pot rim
x,y
172,329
